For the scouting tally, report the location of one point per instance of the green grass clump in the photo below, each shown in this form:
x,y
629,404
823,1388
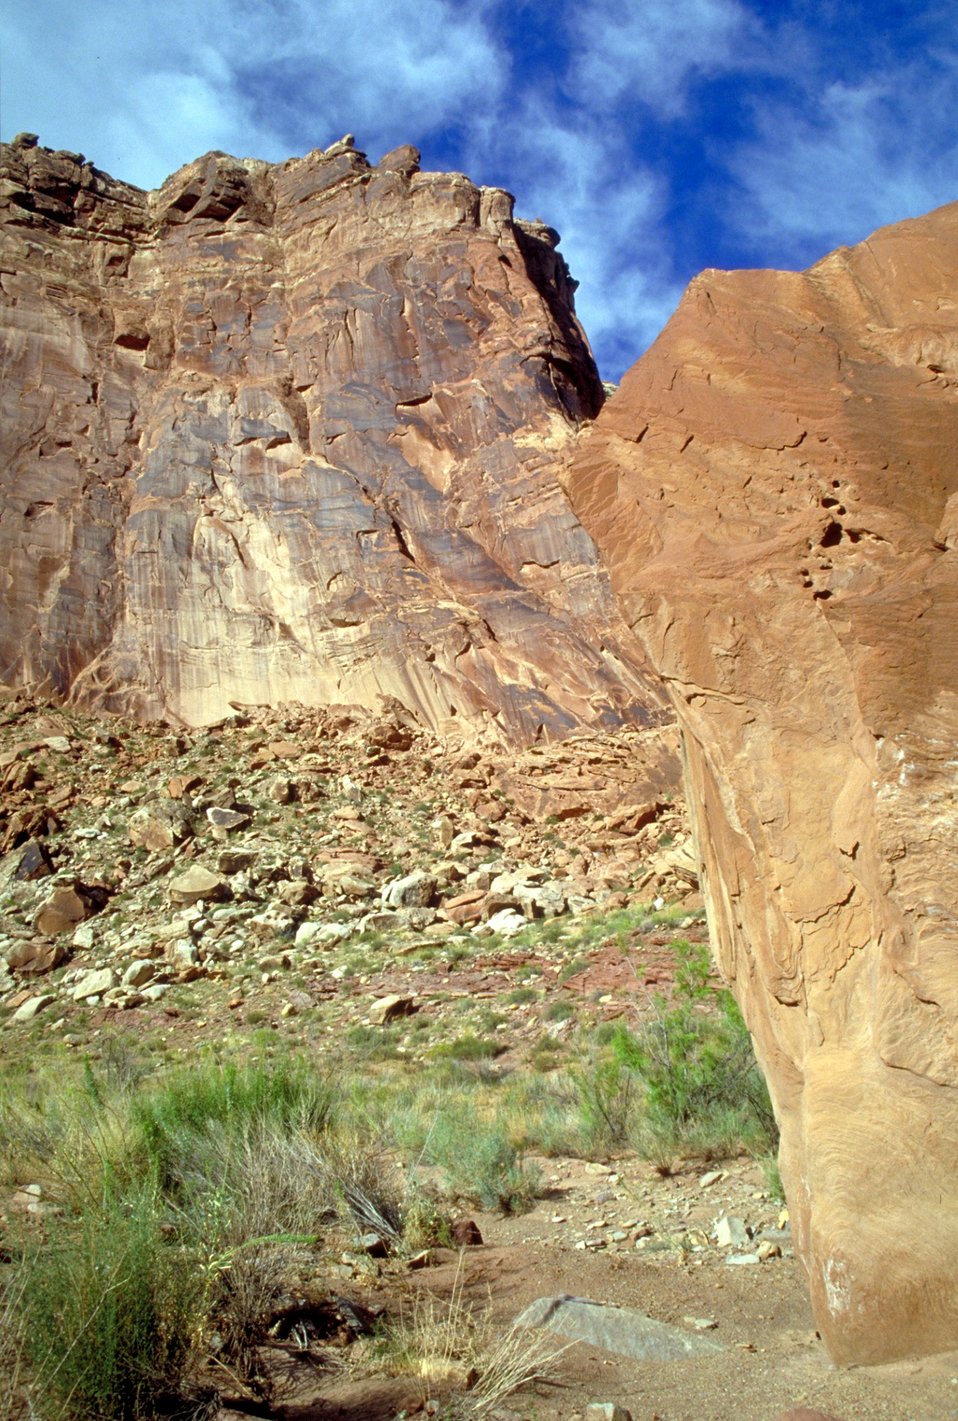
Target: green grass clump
x,y
173,1121
481,1163
467,1048
111,1314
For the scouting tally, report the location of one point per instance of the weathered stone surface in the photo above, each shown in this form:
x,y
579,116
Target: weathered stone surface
x,y
413,890
775,489
93,983
34,862
66,906
289,433
621,1330
198,883
391,1007
32,1007
33,958
161,825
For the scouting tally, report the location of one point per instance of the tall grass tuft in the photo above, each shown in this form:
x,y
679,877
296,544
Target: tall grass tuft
x,y
110,1314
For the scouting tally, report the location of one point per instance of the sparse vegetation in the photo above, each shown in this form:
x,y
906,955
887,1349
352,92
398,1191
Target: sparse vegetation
x,y
686,1084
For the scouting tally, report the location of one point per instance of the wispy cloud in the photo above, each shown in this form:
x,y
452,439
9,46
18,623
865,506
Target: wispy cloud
x,y
654,52
609,215
853,157
658,137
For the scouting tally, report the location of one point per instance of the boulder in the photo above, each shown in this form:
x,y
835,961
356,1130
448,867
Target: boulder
x,y
66,906
624,1331
34,957
415,890
93,983
390,1008
32,1007
197,884
159,825
775,490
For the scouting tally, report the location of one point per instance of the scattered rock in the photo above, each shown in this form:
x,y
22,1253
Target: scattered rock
x,y
33,1006
34,862
32,958
415,890
390,1008
68,906
621,1330
160,825
93,983
730,1231
198,884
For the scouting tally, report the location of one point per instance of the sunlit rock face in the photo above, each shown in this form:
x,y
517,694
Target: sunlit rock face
x,y
775,488
289,433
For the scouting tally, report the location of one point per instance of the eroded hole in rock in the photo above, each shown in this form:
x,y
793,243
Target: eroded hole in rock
x,y
832,535
401,541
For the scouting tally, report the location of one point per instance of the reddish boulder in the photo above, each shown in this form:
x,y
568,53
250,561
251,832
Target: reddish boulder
x,y
775,490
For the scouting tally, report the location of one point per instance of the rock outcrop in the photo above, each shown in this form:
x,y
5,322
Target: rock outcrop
x,y
288,433
775,488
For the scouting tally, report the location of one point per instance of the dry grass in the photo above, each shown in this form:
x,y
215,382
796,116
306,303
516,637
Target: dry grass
x,y
454,1349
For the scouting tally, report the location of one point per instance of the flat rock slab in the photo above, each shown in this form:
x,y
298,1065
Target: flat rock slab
x,y
624,1331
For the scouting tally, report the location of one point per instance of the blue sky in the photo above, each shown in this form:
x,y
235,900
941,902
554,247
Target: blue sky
x,y
659,136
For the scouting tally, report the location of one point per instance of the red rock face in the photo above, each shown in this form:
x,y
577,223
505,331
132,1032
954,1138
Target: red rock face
x,y
289,434
775,488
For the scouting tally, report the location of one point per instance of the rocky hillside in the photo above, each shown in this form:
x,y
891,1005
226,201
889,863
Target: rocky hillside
x,y
290,433
776,492
260,867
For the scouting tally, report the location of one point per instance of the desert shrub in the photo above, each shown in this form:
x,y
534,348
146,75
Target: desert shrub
x,y
608,1095
542,1115
480,1162
558,1011
14,1397
702,1091
453,1347
110,1314
468,1048
249,1207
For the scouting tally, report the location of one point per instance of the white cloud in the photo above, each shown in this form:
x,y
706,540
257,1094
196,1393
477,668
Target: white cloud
x,y
654,51
861,156
146,87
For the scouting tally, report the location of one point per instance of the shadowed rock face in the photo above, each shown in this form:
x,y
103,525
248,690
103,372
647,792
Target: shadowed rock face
x,y
775,488
289,432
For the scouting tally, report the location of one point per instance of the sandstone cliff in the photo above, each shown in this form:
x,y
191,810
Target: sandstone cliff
x,y
775,488
288,433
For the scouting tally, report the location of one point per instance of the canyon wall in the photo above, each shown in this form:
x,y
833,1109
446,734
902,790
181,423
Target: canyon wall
x,y
289,433
775,488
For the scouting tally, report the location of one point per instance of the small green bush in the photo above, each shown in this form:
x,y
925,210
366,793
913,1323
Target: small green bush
x,y
608,1092
111,1314
559,1011
174,1120
468,1048
480,1162
703,1092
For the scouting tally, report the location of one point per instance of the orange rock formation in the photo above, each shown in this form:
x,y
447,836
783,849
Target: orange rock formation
x,y
775,488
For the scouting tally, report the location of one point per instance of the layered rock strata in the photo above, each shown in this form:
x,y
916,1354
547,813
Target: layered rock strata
x,y
775,487
288,433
